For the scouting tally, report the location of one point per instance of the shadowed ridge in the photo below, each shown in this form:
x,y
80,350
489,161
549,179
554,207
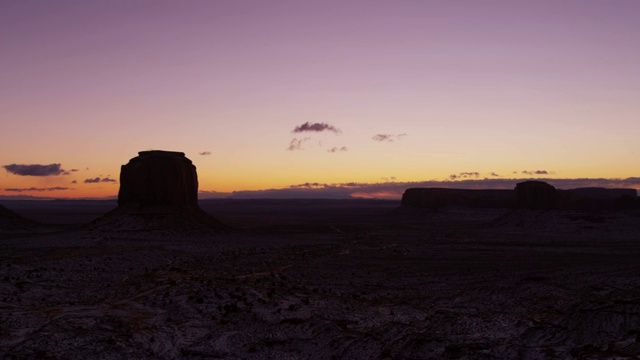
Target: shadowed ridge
x,y
10,221
158,192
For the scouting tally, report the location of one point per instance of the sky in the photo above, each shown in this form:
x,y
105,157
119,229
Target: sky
x,y
360,96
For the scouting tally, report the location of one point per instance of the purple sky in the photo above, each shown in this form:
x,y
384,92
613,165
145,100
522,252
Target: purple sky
x,y
450,86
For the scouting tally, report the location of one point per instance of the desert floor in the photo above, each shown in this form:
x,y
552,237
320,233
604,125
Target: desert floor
x,y
322,279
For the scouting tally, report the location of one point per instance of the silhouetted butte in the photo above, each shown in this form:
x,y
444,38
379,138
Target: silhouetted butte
x,y
159,191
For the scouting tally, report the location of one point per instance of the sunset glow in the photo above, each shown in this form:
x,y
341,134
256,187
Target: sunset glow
x,y
268,95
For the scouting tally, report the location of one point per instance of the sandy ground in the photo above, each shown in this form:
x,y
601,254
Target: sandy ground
x,y
327,280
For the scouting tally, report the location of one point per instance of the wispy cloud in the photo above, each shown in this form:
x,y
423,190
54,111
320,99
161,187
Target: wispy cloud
x,y
464,175
536,172
99,180
315,127
388,137
337,149
296,144
57,188
205,153
35,169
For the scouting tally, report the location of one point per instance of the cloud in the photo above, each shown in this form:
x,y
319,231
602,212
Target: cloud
x,y
57,188
296,144
337,149
74,170
494,174
315,127
74,182
35,169
464,175
212,194
98,180
205,153
535,172
388,137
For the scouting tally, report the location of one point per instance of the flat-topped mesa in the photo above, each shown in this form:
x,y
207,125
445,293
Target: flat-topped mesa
x,y
533,195
159,178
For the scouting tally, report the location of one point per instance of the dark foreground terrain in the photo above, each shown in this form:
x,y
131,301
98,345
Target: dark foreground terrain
x,y
323,279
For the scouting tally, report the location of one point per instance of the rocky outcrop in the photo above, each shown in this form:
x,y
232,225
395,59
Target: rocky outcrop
x,y
159,178
435,198
158,192
536,195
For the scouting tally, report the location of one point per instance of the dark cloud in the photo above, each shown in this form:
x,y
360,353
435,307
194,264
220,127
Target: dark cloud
x,y
74,182
309,186
494,174
211,194
74,170
296,144
387,137
35,169
57,188
464,175
315,127
99,180
205,153
383,137
337,149
535,172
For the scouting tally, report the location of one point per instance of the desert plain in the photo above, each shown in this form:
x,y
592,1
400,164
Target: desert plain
x,y
321,279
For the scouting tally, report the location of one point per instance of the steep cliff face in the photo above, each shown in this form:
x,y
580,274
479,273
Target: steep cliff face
x,y
159,178
536,195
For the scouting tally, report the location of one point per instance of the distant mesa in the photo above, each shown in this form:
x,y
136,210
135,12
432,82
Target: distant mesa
x,y
158,191
532,195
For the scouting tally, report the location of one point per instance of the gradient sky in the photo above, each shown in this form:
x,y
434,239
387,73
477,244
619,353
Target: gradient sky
x,y
454,88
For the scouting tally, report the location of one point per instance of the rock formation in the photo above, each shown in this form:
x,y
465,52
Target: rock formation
x,y
159,178
158,191
536,195
526,195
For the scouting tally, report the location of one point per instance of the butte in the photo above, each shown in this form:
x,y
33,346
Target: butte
x,y
158,192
